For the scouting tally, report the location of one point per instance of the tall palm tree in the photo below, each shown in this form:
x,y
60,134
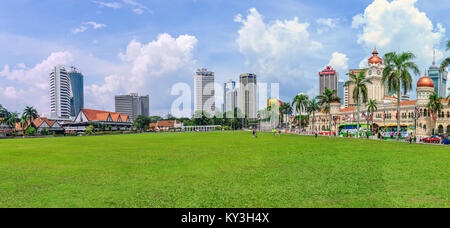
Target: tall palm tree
x,y
284,109
397,77
435,105
371,108
313,107
446,61
300,103
30,113
325,100
12,119
359,83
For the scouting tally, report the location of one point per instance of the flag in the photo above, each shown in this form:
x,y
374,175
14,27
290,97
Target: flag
x,y
417,113
396,115
371,117
432,114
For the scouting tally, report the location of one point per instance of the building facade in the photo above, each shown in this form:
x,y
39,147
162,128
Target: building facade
x,y
132,105
247,95
328,78
101,120
341,90
77,86
204,92
60,93
439,79
230,96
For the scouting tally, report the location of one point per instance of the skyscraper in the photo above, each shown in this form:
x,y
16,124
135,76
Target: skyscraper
x,y
60,93
439,79
204,91
247,95
76,83
328,78
133,105
341,90
230,97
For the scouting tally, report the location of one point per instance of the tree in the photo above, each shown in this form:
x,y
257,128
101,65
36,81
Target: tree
x,y
371,108
142,122
446,61
30,131
12,119
397,77
359,83
300,103
313,107
325,101
284,109
89,130
435,105
30,113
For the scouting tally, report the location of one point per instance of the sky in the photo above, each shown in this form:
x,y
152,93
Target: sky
x,y
147,46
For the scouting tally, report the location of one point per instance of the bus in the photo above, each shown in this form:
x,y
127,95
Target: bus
x,y
351,130
390,131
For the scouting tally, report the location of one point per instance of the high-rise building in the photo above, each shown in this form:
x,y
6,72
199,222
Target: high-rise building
x,y
133,105
60,93
230,96
247,95
328,78
76,83
204,91
341,89
439,79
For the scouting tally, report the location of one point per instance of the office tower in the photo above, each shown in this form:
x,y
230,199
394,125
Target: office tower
x,y
230,98
341,90
439,79
328,78
60,93
76,83
247,95
133,105
204,91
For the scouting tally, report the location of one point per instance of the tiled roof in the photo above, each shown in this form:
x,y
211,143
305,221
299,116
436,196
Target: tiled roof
x,y
166,123
347,109
403,103
99,115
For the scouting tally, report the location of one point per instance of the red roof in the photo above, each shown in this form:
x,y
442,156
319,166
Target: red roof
x,y
99,115
347,109
402,103
166,123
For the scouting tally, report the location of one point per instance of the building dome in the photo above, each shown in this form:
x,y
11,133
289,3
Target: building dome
x,y
375,59
425,81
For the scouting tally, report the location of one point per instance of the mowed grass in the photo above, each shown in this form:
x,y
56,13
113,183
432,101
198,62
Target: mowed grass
x,y
218,169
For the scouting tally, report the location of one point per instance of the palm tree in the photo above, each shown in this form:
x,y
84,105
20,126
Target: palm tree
x,y
300,103
359,83
325,101
30,113
313,107
435,105
397,77
446,61
12,119
284,109
371,108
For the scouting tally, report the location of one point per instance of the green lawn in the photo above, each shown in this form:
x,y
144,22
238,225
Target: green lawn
x,y
221,170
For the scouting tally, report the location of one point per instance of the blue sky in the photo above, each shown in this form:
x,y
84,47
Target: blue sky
x,y
148,45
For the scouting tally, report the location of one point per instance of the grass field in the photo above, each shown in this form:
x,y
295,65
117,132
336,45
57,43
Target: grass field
x,y
221,170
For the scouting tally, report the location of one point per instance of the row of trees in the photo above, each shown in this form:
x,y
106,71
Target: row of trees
x,y
13,118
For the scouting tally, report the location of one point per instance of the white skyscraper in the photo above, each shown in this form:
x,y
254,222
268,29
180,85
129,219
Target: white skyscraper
x,y
230,96
204,91
60,93
247,95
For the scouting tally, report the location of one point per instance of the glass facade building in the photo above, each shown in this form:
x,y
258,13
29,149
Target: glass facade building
x,y
77,84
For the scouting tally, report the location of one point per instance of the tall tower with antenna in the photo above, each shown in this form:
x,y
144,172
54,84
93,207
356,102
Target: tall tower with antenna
x,y
439,78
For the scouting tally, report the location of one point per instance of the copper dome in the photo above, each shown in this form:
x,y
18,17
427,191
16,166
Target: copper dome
x,y
425,81
375,59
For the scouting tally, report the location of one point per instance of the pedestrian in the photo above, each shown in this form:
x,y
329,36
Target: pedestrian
x,y
315,134
254,134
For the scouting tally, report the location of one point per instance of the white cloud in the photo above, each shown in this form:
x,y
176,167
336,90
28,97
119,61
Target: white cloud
x,y
152,68
338,61
85,27
277,50
29,86
399,26
114,5
326,24
136,7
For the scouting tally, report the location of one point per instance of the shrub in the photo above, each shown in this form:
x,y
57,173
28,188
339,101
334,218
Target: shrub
x,y
45,132
30,131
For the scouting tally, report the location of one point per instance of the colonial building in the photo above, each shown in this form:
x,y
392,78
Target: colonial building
x,y
413,113
101,120
41,124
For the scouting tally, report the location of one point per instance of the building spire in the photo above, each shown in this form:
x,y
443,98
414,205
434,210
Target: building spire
x,y
434,56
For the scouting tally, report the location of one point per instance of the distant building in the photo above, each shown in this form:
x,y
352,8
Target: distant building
x,y
204,91
102,120
328,78
341,89
77,85
60,93
230,96
165,125
133,105
247,95
41,124
439,79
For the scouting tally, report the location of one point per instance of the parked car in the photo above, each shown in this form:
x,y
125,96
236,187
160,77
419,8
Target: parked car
x,y
446,142
432,139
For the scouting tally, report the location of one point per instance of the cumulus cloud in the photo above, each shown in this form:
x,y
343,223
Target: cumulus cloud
x,y
85,26
164,61
339,61
275,50
29,86
399,26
